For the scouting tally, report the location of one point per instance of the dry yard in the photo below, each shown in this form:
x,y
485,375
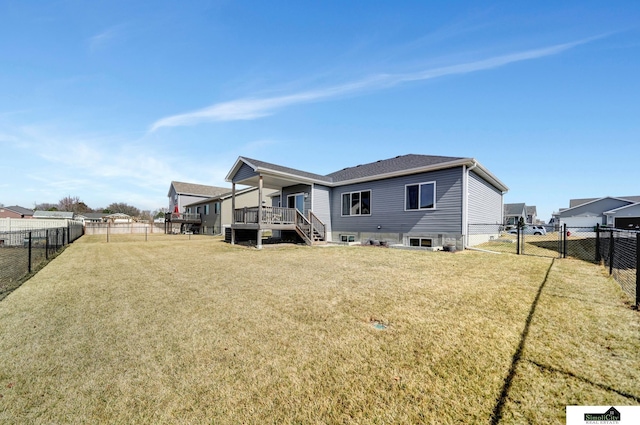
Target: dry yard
x,y
196,331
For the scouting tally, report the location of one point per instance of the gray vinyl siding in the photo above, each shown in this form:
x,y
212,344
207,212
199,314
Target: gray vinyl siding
x,y
388,206
322,205
245,172
485,201
299,188
594,209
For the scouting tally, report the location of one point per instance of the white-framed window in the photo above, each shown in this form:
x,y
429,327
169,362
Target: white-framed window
x,y
206,209
420,196
188,210
356,203
421,242
197,210
347,238
216,208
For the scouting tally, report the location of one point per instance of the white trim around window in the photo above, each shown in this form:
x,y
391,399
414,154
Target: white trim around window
x,y
356,203
420,196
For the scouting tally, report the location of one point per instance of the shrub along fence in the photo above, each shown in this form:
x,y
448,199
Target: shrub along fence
x,y
22,251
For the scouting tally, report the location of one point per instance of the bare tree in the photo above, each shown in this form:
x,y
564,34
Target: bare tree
x,y
45,206
73,204
121,207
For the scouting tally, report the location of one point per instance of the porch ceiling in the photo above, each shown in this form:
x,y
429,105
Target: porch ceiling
x,y
273,182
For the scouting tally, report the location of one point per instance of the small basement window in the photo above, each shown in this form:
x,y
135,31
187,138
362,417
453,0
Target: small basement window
x,y
347,238
421,242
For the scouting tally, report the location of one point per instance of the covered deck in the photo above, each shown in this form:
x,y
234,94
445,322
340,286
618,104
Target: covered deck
x,y
261,218
295,213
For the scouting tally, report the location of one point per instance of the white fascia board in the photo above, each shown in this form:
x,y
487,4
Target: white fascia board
x,y
236,167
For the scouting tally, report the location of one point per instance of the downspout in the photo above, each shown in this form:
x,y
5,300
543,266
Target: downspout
x,y
465,203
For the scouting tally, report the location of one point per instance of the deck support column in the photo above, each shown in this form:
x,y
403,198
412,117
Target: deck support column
x,y
259,237
233,213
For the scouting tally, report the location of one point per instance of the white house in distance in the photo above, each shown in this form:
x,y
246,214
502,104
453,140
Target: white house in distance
x,y
619,212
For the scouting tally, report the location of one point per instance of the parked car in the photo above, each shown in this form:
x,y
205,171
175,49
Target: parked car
x,y
530,230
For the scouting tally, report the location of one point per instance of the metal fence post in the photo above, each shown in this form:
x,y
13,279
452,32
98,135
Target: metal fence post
x,y
598,256
29,252
564,240
611,247
638,270
57,234
518,244
46,244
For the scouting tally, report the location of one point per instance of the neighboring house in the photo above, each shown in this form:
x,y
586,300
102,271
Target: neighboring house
x,y
215,213
580,201
54,215
590,213
182,194
532,215
15,212
513,213
627,217
91,217
118,218
413,200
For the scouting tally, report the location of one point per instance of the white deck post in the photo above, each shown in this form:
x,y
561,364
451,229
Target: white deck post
x,y
233,213
259,237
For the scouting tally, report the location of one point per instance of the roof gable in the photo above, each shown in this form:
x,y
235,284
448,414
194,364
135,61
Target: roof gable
x,y
514,209
592,207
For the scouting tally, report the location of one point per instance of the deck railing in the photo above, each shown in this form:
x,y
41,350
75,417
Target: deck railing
x,y
280,215
270,215
318,226
182,217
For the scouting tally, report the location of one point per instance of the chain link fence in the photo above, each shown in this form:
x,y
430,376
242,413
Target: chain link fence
x,y
618,250
24,251
615,248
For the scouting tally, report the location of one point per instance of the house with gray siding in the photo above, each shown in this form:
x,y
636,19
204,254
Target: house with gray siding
x,y
613,211
412,200
181,194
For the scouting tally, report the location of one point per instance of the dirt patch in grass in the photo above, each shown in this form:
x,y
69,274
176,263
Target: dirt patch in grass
x,y
198,331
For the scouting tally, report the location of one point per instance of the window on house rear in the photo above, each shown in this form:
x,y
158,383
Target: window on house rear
x,y
206,209
421,196
216,208
356,203
421,242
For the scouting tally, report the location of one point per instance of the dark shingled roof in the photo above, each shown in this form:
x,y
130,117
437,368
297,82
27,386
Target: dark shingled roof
x,y
384,166
19,210
198,189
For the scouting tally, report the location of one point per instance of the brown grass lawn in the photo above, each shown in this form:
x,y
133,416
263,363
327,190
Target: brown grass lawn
x,y
197,331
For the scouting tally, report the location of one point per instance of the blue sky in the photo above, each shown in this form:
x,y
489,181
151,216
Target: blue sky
x,y
110,101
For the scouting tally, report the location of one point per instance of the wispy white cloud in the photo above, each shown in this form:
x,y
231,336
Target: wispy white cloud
x,y
253,108
105,37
